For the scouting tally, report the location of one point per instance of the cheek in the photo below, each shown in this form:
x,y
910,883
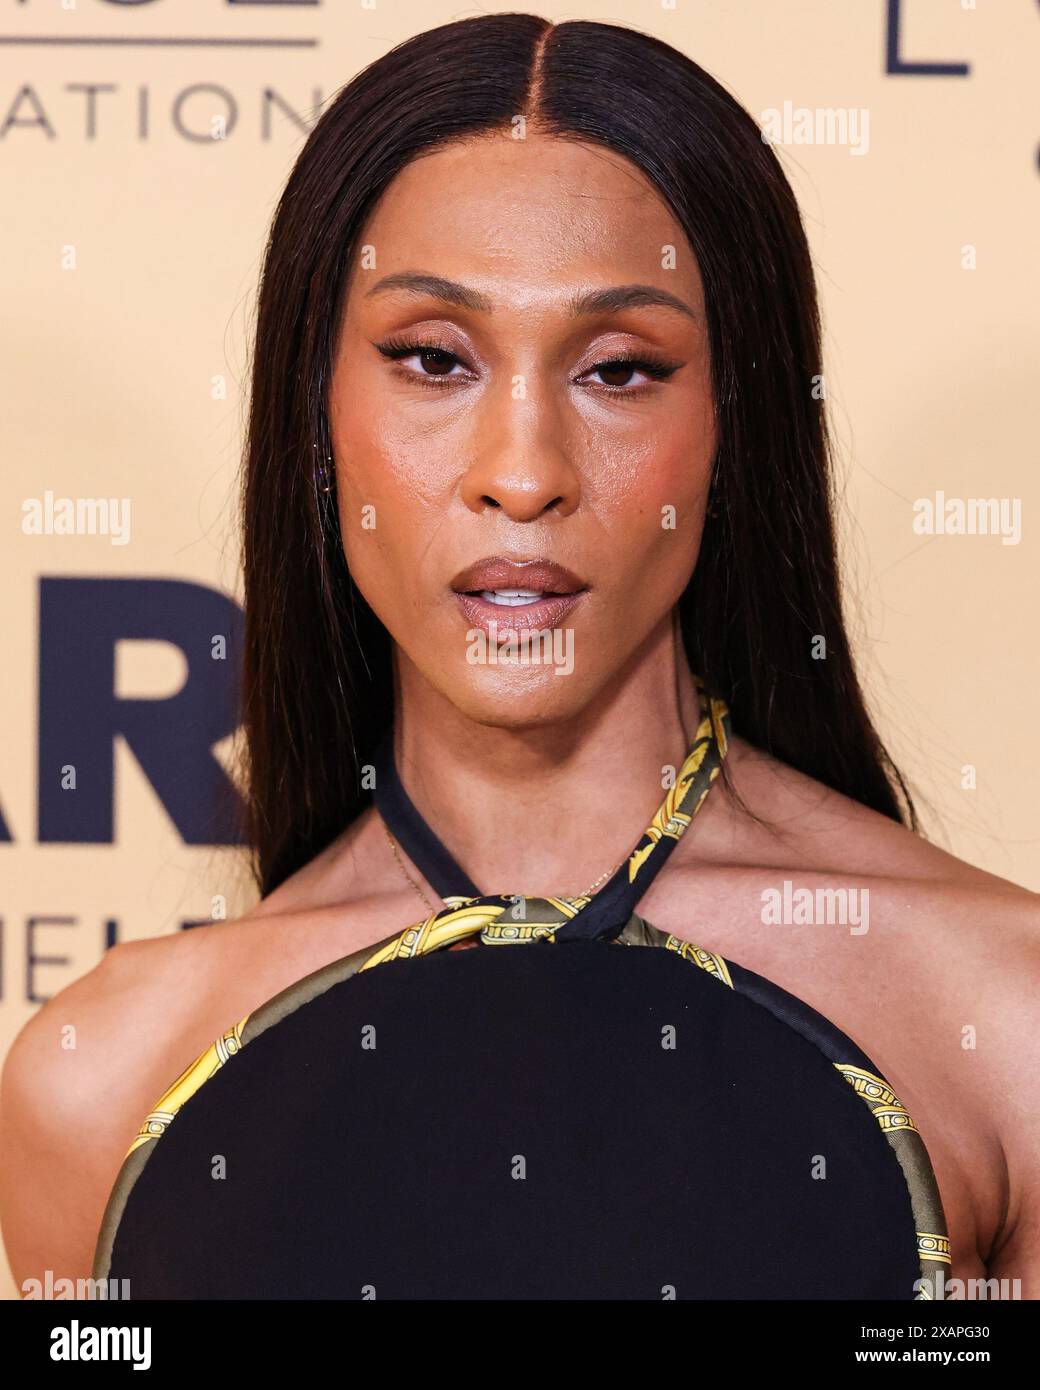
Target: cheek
x,y
381,457
388,503
653,497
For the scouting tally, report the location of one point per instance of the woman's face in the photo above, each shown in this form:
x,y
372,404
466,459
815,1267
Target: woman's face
x,y
479,410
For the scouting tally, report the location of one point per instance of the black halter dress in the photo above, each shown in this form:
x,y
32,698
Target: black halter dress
x,y
581,1107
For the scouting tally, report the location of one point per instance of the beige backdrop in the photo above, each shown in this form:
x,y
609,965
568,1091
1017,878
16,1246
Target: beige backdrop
x,y
112,373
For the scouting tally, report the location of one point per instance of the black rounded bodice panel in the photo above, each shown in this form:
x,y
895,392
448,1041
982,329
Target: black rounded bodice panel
x,y
572,1120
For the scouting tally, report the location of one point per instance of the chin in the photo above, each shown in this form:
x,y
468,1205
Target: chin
x,y
516,697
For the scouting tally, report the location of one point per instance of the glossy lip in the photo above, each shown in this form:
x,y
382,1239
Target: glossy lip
x,y
561,587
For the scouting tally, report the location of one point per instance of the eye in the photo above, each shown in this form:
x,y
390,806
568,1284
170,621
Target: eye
x,y
435,363
626,368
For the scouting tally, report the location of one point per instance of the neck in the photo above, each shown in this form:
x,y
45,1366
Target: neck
x,y
512,804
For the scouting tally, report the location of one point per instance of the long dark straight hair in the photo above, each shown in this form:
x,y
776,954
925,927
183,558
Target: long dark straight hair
x,y
317,674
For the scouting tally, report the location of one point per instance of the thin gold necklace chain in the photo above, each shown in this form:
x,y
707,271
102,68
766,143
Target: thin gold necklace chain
x,y
397,855
587,893
403,869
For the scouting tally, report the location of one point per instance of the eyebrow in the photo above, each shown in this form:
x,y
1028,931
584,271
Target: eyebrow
x,y
607,301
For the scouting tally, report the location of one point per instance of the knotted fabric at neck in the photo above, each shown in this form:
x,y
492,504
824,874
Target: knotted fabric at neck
x,y
510,917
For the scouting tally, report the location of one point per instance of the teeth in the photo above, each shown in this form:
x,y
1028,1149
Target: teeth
x,y
510,598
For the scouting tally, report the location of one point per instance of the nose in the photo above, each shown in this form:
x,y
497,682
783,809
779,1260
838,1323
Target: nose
x,y
521,460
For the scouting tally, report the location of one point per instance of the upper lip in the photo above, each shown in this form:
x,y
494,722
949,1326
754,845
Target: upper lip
x,y
500,572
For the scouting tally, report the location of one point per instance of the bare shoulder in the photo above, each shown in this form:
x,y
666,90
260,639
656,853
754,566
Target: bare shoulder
x,y
823,827
87,1068
66,1090
82,1074
936,900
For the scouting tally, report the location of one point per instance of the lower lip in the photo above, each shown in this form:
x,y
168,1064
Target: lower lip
x,y
502,618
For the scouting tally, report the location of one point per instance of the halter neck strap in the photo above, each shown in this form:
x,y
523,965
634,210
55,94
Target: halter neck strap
x,y
604,914
418,840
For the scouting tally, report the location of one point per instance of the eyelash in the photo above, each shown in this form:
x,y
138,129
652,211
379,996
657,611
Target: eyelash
x,y
656,369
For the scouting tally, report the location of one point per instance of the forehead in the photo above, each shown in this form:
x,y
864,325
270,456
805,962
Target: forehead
x,y
527,218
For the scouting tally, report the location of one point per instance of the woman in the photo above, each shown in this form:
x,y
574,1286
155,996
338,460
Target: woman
x,y
536,354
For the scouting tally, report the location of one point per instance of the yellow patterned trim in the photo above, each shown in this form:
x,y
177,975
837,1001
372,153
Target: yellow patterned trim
x,y
669,820
934,1247
228,1045
889,1110
520,930
501,934
893,1117
567,907
869,1085
439,929
718,710
444,928
713,964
